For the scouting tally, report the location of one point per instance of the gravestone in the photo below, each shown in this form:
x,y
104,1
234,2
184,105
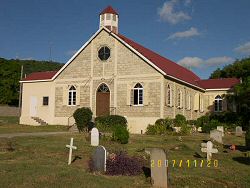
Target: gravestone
x,y
208,148
158,169
216,136
238,131
221,128
94,137
99,159
177,129
71,147
199,129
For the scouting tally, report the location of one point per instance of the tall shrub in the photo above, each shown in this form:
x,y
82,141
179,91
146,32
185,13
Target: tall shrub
x,y
120,134
211,125
180,120
165,122
82,116
108,123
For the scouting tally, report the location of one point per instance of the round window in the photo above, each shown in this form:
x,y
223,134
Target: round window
x,y
104,53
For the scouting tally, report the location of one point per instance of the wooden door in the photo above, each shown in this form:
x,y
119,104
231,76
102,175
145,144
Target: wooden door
x,y
102,103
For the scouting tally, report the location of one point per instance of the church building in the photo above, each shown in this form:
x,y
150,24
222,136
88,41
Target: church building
x,y
112,74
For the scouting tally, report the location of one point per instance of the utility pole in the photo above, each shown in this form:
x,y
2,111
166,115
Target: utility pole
x,y
50,51
20,92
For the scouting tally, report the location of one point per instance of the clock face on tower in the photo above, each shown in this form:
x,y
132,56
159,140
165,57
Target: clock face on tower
x,y
104,53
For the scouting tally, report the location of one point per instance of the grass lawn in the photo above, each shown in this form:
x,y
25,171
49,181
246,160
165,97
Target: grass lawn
x,y
42,162
10,125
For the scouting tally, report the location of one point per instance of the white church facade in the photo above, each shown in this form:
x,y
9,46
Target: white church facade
x,y
112,74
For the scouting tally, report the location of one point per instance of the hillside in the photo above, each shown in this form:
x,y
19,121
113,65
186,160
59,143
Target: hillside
x,y
10,71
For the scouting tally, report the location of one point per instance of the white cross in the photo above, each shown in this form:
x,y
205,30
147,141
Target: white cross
x,y
209,149
70,150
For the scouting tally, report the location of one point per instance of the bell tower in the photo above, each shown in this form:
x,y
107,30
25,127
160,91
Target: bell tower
x,y
109,18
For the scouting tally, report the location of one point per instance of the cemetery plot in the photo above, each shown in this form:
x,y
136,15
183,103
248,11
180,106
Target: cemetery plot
x,y
41,162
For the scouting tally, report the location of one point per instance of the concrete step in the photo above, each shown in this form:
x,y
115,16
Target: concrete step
x,y
39,120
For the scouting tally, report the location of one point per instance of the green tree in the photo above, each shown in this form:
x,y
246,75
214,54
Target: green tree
x,y
241,94
239,69
10,76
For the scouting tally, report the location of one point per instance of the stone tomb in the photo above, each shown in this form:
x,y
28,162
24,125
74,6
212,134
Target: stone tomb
x,y
94,137
99,159
221,128
238,131
208,148
216,135
158,169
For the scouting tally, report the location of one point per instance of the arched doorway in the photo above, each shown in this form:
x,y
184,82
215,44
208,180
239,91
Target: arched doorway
x,y
102,100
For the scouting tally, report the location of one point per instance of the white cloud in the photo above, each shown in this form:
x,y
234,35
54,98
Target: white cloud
x,y
71,52
219,60
197,62
191,62
244,48
168,13
185,34
187,2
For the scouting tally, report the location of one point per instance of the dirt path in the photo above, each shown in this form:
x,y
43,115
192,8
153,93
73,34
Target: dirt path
x,y
11,135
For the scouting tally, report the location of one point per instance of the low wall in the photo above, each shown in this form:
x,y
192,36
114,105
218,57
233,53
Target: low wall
x,y
9,111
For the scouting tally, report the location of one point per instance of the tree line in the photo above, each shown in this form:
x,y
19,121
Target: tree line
x,y
10,74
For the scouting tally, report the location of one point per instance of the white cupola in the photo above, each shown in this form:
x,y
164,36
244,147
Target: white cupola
x,y
109,19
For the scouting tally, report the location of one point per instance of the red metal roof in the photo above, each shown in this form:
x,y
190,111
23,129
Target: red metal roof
x,y
109,10
169,67
166,65
40,76
218,83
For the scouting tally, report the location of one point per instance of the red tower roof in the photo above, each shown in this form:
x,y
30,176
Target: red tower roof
x,y
109,10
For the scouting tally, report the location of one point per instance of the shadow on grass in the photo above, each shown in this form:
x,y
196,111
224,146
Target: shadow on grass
x,y
242,160
205,141
197,155
76,158
146,171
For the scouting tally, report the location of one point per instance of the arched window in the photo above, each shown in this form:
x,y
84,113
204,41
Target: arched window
x,y
138,94
103,88
201,104
188,101
218,104
179,99
72,96
169,96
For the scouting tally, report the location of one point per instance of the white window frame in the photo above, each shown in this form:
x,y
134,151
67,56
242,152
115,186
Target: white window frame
x,y
72,93
218,101
179,99
139,90
169,96
201,104
188,103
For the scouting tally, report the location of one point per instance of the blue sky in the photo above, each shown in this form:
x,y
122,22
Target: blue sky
x,y
199,34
